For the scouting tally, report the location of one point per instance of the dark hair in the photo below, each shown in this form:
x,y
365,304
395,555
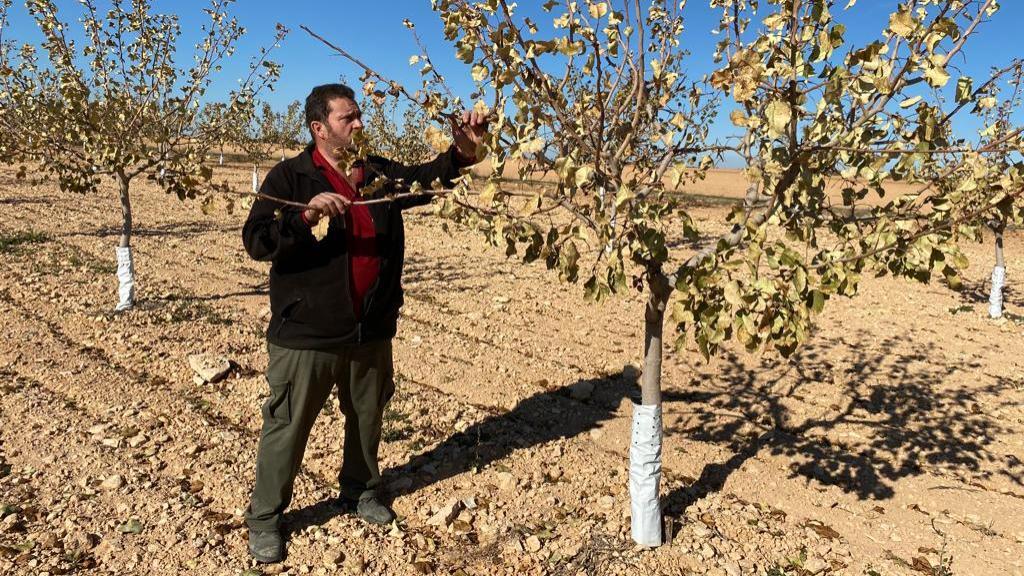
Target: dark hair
x,y
318,100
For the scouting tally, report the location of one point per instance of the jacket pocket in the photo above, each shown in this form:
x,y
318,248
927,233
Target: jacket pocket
x,y
286,314
327,309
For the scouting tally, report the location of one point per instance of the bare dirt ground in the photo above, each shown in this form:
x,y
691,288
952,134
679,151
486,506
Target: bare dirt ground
x,y
891,444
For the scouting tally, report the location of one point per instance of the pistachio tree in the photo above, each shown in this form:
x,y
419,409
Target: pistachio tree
x,y
999,121
257,138
406,142
117,105
268,130
213,115
288,127
853,163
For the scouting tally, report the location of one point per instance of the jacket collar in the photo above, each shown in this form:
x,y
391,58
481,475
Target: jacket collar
x,y
304,162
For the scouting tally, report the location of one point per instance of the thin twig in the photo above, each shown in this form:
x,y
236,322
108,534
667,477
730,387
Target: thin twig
x,y
371,201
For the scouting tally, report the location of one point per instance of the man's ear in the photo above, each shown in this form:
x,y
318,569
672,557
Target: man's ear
x,y
317,127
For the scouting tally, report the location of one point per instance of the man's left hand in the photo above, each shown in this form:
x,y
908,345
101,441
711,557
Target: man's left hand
x,y
469,134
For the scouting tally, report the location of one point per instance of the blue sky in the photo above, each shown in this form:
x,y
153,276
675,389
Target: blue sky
x,y
374,32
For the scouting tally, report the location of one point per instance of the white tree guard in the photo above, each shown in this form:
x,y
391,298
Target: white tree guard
x,y
645,474
995,297
255,180
125,279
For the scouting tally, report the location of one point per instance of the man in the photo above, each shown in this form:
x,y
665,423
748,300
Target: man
x,y
334,305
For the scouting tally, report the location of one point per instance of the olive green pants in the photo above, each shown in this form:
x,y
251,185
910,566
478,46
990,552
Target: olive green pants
x,y
300,383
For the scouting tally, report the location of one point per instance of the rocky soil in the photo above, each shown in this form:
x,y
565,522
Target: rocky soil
x,y
891,444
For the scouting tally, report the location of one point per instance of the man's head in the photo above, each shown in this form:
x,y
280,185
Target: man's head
x,y
332,115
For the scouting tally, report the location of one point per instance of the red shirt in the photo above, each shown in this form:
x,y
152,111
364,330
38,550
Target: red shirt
x,y
360,234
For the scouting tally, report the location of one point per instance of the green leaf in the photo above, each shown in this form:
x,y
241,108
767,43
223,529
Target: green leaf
x,y
133,526
952,277
817,301
964,89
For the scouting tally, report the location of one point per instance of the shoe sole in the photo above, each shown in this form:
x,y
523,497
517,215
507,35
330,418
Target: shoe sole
x,y
375,521
265,559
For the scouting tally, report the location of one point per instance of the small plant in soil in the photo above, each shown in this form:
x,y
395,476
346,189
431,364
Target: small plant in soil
x,y
11,243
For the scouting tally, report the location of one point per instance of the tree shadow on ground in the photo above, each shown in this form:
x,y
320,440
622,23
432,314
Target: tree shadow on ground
x,y
852,416
535,421
978,292
19,200
259,289
844,414
451,272
168,230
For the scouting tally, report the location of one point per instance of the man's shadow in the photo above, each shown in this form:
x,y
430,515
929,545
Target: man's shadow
x,y
912,411
536,420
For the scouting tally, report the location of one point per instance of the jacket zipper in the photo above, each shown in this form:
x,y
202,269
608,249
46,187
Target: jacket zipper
x,y
373,290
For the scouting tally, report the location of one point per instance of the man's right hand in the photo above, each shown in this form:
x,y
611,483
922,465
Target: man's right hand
x,y
325,204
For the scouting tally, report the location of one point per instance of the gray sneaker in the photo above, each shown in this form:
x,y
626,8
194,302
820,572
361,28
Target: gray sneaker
x,y
371,509
266,546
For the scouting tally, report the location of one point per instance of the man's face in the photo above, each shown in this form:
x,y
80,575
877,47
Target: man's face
x,y
343,119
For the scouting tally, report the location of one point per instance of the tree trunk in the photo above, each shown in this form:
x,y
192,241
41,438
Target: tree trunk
x,y
126,211
995,296
654,323
645,445
125,266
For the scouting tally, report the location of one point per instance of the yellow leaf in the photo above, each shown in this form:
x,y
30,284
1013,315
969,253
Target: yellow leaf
x,y
937,76
490,191
479,73
778,114
732,294
775,21
910,102
532,146
902,23
436,138
320,229
598,9
625,195
583,174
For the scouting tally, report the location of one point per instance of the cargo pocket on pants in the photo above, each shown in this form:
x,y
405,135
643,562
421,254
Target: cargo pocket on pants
x,y
278,407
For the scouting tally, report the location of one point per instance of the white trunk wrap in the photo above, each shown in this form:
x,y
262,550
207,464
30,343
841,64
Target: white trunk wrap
x,y
125,279
645,474
995,297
